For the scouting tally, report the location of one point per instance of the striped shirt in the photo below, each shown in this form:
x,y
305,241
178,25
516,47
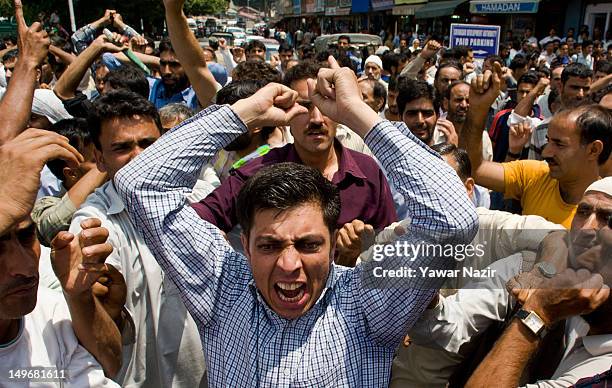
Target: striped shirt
x,y
349,336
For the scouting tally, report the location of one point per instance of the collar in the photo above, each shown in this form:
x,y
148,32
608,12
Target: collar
x,y
115,205
347,164
596,345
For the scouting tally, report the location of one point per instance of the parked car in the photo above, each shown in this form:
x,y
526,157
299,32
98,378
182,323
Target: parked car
x,y
358,41
229,37
271,47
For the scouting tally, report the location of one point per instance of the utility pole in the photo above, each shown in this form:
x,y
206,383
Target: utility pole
x,y
71,12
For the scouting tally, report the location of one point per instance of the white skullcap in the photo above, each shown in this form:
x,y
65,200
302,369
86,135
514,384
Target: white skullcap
x,y
47,104
375,59
603,186
381,50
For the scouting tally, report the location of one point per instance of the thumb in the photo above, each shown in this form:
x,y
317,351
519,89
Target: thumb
x,y
314,96
497,75
61,240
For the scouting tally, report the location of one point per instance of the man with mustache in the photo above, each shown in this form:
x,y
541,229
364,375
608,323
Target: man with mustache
x,y
364,191
552,292
580,140
46,334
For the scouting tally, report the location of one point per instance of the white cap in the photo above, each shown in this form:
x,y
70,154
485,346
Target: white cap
x,y
375,59
603,186
381,50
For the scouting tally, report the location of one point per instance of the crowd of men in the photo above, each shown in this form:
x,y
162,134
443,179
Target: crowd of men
x,y
205,217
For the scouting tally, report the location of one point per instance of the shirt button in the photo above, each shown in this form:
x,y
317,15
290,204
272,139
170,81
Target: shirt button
x,y
287,372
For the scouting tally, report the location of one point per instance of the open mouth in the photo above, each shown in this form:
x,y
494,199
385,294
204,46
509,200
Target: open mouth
x,y
290,292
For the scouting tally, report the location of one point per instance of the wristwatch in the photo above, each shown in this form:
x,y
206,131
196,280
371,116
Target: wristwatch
x,y
533,322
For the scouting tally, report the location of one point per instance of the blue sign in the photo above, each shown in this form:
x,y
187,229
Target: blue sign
x,y
297,7
484,40
504,7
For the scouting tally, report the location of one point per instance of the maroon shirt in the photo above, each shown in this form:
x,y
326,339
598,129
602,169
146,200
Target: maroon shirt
x,y
364,191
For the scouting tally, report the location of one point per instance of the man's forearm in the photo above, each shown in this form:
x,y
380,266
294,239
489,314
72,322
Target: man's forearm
x,y
96,331
191,56
16,105
67,58
68,83
504,364
411,70
470,138
149,60
85,186
524,107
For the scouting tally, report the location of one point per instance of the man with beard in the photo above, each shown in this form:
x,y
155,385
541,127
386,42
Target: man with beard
x,y
418,108
364,191
580,140
546,293
579,297
391,111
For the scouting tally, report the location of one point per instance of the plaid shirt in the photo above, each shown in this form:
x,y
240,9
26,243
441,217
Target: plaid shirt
x,y
349,336
83,37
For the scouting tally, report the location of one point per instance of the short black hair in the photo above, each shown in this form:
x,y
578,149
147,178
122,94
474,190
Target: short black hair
x,y
121,103
284,47
392,86
518,62
389,60
339,55
255,44
575,70
543,69
301,71
256,70
595,123
165,45
284,186
78,136
464,166
586,43
10,55
128,77
495,58
603,66
531,77
344,37
447,95
410,90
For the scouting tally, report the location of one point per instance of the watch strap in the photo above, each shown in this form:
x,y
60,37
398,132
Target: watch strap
x,y
522,314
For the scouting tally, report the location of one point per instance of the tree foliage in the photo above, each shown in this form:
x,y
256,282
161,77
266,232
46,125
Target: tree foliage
x,y
205,7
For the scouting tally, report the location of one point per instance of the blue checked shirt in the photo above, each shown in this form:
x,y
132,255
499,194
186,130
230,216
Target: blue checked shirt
x,y
349,336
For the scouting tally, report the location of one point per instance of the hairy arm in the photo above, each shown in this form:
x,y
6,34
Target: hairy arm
x,y
189,53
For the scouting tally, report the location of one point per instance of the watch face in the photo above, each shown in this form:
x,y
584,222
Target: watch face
x,y
533,322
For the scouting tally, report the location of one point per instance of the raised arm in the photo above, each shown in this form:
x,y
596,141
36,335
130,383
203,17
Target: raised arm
x,y
189,52
524,107
411,70
190,250
483,92
97,328
16,105
437,203
68,83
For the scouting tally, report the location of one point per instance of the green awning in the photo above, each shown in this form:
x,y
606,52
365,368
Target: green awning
x,y
435,9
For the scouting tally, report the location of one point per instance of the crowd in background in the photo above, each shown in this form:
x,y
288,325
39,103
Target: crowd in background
x,y
179,215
